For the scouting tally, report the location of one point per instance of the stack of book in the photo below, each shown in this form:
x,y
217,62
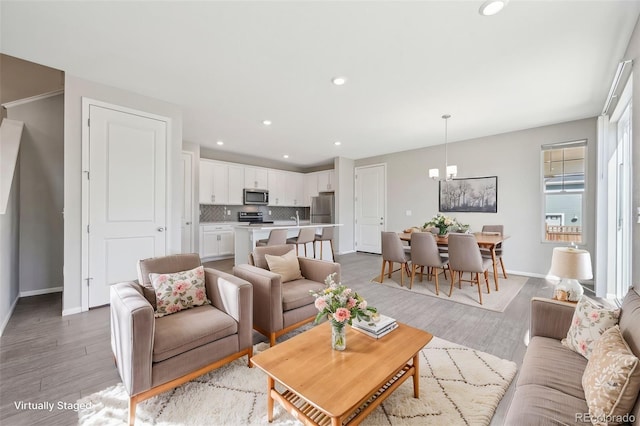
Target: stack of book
x,y
376,329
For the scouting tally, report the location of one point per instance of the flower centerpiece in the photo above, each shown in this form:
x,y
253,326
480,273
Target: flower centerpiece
x,y
340,305
442,222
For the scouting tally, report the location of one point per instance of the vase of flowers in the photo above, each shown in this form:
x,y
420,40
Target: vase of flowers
x,y
442,222
340,305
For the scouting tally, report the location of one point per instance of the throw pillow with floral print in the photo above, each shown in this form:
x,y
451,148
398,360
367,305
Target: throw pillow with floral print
x,y
178,291
588,323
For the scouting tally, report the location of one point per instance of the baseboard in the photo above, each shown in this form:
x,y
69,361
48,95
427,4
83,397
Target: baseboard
x,y
71,311
526,274
346,252
8,317
41,291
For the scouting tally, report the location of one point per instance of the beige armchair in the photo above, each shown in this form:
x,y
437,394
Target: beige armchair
x,y
281,307
154,355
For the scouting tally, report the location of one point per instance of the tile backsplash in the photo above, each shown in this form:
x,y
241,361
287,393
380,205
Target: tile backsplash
x,y
209,213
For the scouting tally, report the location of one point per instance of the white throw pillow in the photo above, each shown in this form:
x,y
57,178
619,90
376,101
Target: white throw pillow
x,y
588,323
286,265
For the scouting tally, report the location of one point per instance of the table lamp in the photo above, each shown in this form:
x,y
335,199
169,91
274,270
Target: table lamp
x,y
570,264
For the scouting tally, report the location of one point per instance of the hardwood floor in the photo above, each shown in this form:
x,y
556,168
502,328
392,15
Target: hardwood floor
x,y
45,357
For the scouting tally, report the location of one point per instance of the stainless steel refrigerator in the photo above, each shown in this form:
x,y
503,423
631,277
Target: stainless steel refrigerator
x,y
323,208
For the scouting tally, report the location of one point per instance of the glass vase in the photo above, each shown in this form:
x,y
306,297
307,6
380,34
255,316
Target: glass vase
x,y
338,336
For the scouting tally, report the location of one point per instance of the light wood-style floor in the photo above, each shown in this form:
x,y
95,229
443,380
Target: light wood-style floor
x,y
45,357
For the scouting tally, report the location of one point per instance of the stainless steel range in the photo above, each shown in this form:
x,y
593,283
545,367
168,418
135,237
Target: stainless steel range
x,y
252,218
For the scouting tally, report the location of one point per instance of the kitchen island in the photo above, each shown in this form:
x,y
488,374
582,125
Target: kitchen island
x,y
247,235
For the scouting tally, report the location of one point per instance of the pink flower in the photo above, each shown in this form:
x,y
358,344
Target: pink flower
x,y
199,272
160,302
342,314
583,346
576,321
320,303
351,303
595,316
200,294
173,308
161,278
181,287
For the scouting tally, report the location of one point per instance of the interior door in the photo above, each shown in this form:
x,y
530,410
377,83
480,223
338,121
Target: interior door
x,y
370,207
127,196
187,202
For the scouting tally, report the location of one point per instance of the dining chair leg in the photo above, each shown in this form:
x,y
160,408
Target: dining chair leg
x,y
453,281
422,272
486,280
479,288
444,271
413,275
390,268
402,266
384,262
437,284
504,272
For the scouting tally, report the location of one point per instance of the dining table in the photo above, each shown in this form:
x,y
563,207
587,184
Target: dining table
x,y
486,240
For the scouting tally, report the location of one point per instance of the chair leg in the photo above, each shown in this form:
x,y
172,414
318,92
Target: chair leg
x,y
413,275
132,410
402,266
384,262
314,249
249,356
453,281
390,268
486,280
422,273
272,339
479,288
504,272
305,249
435,271
444,271
332,252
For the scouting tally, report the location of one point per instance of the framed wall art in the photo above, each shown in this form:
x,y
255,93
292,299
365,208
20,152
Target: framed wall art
x,y
478,194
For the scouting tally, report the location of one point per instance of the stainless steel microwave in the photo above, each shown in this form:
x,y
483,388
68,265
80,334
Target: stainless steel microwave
x,y
256,196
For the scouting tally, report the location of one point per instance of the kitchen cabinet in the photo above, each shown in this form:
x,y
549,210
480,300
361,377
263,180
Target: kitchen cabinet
x,y
276,187
326,180
216,241
220,183
256,178
310,188
286,188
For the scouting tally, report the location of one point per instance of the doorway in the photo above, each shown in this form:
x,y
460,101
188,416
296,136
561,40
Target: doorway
x,y
370,206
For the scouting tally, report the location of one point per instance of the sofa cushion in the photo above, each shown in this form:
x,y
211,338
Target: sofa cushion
x,y
296,294
286,266
612,377
178,291
588,323
189,329
629,320
550,364
535,405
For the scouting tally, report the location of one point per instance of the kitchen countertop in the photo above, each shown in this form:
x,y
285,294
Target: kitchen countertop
x,y
258,226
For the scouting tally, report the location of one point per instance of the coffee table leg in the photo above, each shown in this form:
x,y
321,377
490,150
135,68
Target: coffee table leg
x,y
416,375
270,387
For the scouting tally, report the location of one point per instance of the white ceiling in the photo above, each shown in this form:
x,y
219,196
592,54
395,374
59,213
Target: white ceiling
x,y
230,65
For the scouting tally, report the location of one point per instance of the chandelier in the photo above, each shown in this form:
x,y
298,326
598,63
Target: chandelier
x,y
451,171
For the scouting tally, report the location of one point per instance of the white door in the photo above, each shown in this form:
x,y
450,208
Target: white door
x,y
187,202
127,196
622,194
370,207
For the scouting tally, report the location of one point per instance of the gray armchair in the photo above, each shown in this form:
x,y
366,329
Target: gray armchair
x,y
154,355
281,307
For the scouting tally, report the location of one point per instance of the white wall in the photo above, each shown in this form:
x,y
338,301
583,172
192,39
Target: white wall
x,y
9,224
41,194
75,89
344,172
515,159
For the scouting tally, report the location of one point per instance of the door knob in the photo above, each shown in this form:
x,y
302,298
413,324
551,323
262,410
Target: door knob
x,y
188,223
160,229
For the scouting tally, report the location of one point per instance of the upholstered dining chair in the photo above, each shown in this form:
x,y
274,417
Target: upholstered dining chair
x,y
464,256
325,235
394,251
424,252
305,236
276,237
156,353
281,288
498,250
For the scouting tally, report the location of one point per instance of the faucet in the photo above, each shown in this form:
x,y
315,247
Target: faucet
x,y
296,218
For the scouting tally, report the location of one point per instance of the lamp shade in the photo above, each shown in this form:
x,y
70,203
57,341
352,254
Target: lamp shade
x,y
568,262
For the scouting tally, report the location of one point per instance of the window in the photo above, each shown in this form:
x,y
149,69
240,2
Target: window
x,y
563,183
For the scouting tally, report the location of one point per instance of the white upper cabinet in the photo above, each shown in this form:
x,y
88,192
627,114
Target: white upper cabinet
x,y
276,188
310,187
220,183
326,180
294,189
256,178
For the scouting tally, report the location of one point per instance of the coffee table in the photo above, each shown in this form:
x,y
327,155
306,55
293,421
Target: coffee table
x,y
327,387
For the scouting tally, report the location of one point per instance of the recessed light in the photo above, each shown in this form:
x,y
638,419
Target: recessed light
x,y
337,143
339,81
285,156
220,143
266,122
491,7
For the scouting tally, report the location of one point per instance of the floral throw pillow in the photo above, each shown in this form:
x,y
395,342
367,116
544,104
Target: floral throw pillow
x,y
611,379
179,291
588,323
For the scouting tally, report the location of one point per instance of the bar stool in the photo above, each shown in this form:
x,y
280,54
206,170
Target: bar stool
x,y
276,237
325,235
306,235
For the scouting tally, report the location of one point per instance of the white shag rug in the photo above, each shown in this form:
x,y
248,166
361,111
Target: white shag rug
x,y
496,301
458,386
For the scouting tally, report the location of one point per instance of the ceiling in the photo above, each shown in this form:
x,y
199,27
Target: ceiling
x,y
231,65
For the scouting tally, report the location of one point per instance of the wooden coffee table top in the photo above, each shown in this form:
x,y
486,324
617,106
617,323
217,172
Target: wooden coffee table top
x,y
337,381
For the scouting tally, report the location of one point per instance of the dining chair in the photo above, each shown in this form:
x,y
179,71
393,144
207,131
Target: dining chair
x,y
394,251
277,237
325,235
498,250
464,256
425,252
306,235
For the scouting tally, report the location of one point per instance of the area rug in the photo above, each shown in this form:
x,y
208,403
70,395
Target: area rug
x,y
458,386
495,301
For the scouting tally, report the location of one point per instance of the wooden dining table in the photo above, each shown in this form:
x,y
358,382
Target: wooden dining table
x,y
487,240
